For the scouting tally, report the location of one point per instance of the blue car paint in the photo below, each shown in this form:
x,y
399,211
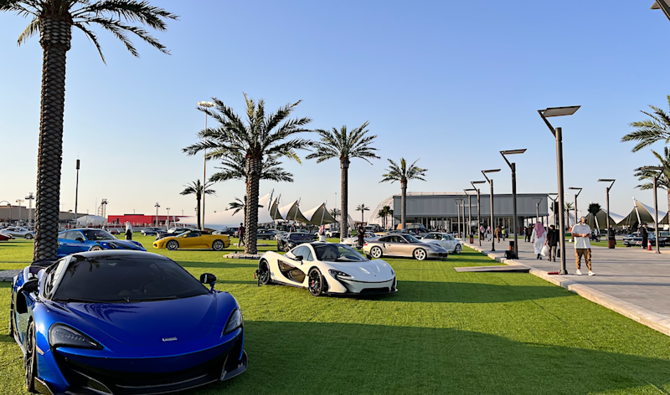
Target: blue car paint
x,y
67,247
131,334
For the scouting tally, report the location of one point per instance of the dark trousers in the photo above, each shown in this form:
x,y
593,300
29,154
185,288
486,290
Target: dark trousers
x,y
645,240
552,253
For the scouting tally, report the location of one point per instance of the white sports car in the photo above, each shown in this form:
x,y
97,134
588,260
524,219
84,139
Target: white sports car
x,y
446,240
327,269
18,231
353,241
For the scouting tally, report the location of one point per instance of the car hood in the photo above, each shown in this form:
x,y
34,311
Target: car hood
x,y
148,323
373,271
124,243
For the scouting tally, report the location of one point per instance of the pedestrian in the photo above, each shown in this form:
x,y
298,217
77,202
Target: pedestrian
x,y
581,233
240,233
361,235
645,236
538,238
482,231
611,235
488,233
498,233
528,232
552,242
129,231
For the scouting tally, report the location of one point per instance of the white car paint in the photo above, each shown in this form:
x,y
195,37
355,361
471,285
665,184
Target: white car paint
x,y
353,241
361,275
18,231
446,240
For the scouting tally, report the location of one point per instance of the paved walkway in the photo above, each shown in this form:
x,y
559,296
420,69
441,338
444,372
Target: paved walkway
x,y
630,281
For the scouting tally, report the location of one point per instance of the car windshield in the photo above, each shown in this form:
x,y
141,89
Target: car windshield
x,y
411,239
337,253
300,236
96,234
125,279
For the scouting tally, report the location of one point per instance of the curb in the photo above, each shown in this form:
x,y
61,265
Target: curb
x,y
658,322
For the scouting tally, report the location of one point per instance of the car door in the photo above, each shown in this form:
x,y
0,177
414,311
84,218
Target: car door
x,y
79,242
293,270
395,246
190,240
448,242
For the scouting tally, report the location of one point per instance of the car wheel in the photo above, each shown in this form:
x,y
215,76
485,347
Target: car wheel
x,y
315,284
376,252
419,254
458,249
11,319
29,236
30,359
172,245
96,248
218,245
264,273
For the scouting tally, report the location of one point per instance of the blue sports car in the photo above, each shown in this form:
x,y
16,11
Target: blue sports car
x,y
123,322
80,240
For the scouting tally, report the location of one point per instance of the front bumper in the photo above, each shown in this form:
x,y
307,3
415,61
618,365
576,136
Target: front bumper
x,y
436,255
362,288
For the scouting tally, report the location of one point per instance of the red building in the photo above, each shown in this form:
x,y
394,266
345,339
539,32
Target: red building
x,y
141,219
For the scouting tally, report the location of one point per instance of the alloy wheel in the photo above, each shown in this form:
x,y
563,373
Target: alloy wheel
x,y
419,254
29,361
172,245
315,282
217,245
376,252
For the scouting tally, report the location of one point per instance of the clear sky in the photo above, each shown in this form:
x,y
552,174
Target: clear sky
x,y
449,82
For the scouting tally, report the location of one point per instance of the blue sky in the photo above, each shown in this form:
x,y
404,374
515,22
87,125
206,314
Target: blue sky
x,y
449,82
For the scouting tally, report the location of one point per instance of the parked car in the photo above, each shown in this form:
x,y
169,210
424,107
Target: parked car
x,y
194,239
18,231
171,232
150,231
123,322
266,234
446,240
5,236
81,240
353,241
227,231
636,241
293,239
116,231
327,269
331,234
404,245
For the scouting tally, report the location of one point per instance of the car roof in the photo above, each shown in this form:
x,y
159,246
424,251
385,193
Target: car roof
x,y
120,254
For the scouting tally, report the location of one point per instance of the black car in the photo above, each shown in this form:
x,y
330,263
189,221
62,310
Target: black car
x,y
266,234
290,240
636,241
150,231
172,232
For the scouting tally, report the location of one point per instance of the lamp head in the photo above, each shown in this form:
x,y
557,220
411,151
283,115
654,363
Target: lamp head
x,y
559,111
513,151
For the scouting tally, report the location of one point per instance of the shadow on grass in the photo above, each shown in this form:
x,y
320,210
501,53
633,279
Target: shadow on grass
x,y
218,265
450,292
356,358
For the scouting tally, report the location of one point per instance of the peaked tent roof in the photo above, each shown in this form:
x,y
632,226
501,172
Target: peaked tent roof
x,y
642,214
319,215
225,219
600,220
291,212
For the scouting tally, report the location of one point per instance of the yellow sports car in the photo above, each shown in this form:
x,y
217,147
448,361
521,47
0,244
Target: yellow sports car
x,y
194,239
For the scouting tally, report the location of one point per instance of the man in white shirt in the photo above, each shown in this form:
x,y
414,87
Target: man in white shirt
x,y
582,233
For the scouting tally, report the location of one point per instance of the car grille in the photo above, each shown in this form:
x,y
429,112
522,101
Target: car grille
x,y
371,291
85,379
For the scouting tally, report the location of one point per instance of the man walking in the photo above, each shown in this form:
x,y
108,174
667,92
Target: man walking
x,y
529,232
498,232
645,236
582,233
240,232
552,242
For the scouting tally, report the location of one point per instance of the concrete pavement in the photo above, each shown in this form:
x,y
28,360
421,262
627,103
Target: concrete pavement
x,y
630,281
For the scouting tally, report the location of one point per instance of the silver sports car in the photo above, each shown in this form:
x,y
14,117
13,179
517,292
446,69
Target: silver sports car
x,y
404,245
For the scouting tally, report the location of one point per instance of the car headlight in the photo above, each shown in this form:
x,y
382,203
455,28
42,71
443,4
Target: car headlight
x,y
64,336
235,321
337,273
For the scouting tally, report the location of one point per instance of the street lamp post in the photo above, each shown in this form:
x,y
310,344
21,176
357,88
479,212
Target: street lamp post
x,y
76,192
167,221
458,216
607,189
576,196
469,209
30,199
19,201
479,211
658,171
537,209
558,135
157,206
204,104
512,166
490,180
553,207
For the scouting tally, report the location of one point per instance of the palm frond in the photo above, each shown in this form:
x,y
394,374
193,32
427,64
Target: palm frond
x,y
32,29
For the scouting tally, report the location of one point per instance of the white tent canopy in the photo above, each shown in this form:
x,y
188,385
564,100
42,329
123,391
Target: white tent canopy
x,y
225,219
641,214
291,212
319,215
94,220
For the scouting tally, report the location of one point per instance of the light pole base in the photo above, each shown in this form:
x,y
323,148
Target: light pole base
x,y
563,272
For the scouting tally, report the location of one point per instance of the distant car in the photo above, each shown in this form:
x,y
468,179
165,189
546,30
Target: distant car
x,y
171,232
227,231
116,231
81,240
150,231
4,237
353,241
331,234
404,245
194,239
293,239
636,241
266,234
446,240
18,231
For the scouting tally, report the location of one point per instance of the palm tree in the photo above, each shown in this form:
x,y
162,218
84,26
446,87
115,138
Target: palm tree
x,y
259,138
651,130
54,20
233,168
197,189
362,208
335,212
594,208
403,174
390,213
647,175
385,210
344,145
239,204
382,215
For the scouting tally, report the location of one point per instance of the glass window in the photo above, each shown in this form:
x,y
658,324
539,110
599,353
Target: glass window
x,y
429,236
412,239
123,279
337,253
73,235
193,234
309,257
300,251
386,239
98,234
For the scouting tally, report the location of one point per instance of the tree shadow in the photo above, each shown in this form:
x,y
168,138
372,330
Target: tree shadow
x,y
219,265
365,359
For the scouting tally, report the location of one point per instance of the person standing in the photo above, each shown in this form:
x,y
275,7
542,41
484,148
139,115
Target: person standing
x,y
528,232
538,238
361,235
498,232
552,242
482,231
129,231
581,233
645,236
240,233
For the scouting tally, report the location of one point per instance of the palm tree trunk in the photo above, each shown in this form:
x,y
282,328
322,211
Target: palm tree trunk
x,y
55,38
667,194
197,198
403,201
253,169
344,192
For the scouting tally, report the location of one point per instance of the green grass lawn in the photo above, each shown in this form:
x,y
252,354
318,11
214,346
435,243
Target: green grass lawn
x,y
443,332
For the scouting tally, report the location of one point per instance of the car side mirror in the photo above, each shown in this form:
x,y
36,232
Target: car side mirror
x,y
208,278
79,239
298,258
30,286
